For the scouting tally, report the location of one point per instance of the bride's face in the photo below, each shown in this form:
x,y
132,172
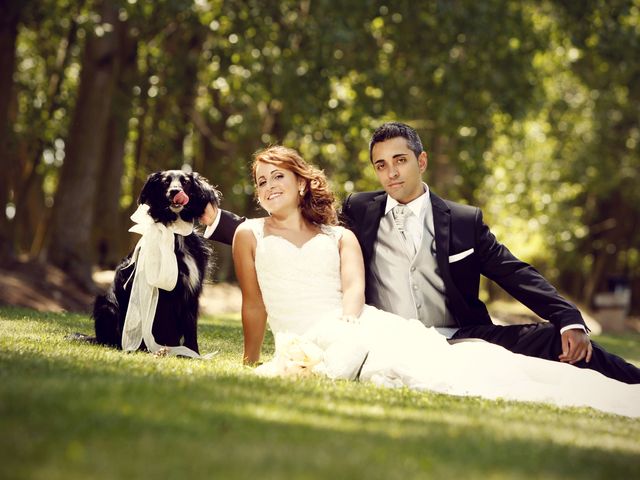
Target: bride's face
x,y
278,188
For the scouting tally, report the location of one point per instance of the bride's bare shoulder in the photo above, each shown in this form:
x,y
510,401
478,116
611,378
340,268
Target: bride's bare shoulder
x,y
248,231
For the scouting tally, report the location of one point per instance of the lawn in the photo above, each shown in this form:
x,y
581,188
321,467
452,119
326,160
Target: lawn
x,y
76,411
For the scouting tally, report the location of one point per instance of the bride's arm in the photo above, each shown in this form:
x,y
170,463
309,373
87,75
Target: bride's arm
x,y
352,275
254,315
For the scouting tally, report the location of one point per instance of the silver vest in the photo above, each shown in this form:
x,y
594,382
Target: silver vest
x,y
409,287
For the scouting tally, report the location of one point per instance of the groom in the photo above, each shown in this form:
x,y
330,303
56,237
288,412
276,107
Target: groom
x,y
424,256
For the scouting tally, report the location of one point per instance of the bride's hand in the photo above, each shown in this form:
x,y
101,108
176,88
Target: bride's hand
x,y
350,319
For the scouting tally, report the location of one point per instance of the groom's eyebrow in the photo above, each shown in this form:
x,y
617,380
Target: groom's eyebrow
x,y
396,155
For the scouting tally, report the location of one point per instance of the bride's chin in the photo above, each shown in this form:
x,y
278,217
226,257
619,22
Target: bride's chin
x,y
275,209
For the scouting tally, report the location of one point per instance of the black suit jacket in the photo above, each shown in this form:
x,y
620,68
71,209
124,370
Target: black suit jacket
x,y
226,227
459,228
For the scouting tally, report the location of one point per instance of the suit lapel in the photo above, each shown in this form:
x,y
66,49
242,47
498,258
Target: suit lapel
x,y
442,227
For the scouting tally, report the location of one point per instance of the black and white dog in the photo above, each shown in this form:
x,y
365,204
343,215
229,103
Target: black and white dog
x,y
170,195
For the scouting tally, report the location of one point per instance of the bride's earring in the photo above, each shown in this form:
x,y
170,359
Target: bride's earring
x,y
301,192
262,207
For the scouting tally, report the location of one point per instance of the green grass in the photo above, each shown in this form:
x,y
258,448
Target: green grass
x,y
70,410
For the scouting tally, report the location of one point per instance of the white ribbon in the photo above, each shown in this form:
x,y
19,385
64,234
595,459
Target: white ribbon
x,y
156,267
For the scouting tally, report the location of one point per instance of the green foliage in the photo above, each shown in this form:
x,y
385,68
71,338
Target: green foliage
x,y
321,75
528,109
46,80
71,410
218,80
606,41
562,180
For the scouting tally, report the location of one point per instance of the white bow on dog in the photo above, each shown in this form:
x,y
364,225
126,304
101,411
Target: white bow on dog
x,y
156,267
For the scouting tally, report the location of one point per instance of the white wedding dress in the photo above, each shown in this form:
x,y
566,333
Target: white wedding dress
x,y
301,289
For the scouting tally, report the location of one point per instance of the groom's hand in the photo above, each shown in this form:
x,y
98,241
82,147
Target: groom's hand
x,y
576,346
209,214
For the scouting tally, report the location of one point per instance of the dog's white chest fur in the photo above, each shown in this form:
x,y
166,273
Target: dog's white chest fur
x,y
192,278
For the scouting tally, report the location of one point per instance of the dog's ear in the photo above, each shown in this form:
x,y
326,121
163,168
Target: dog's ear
x,y
150,188
205,192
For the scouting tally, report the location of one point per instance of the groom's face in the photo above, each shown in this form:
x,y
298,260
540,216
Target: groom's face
x,y
398,169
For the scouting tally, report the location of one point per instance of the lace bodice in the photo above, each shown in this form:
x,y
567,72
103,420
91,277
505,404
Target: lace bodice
x,y
299,285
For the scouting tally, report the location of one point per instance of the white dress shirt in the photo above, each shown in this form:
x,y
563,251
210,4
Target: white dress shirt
x,y
419,207
212,228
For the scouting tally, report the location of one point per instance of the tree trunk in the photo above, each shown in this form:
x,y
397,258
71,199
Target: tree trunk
x,y
609,234
141,144
73,210
31,221
109,240
9,19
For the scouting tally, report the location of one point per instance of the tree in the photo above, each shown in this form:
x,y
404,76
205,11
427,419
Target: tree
x,y
109,248
563,178
9,20
605,42
490,86
73,210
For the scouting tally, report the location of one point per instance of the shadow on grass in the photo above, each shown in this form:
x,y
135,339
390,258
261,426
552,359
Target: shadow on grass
x,y
239,426
79,411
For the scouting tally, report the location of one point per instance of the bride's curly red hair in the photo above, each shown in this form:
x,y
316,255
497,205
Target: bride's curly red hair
x,y
318,204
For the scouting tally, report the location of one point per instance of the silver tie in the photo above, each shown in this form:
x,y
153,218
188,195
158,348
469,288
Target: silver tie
x,y
400,214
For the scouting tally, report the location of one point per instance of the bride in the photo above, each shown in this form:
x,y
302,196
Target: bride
x,y
304,275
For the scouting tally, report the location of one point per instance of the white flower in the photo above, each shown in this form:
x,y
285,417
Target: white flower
x,y
295,356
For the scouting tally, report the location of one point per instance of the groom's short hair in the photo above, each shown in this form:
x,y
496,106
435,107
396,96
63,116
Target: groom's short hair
x,y
390,130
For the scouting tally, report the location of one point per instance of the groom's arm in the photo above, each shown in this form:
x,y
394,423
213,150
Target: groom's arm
x,y
522,281
352,213
221,224
529,287
344,214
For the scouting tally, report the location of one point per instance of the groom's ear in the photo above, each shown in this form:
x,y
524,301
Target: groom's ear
x,y
423,161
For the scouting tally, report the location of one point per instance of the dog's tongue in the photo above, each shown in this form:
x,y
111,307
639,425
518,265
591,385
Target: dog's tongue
x,y
181,198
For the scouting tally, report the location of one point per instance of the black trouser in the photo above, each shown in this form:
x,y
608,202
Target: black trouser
x,y
543,340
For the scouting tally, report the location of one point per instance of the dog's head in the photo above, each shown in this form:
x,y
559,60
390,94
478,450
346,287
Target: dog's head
x,y
174,193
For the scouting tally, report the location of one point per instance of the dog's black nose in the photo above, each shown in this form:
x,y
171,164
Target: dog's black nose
x,y
173,192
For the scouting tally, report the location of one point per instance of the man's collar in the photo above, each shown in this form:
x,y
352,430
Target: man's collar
x,y
414,205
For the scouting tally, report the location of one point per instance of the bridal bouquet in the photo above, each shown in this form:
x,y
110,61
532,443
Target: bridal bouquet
x,y
295,356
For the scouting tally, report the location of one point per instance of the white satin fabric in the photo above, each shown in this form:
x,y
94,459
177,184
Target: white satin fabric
x,y
301,289
156,268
